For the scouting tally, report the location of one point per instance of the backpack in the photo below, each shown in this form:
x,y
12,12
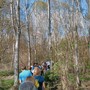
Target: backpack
x,y
38,85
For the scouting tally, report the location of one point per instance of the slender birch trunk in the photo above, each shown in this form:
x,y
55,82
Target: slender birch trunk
x,y
89,42
28,30
75,36
64,77
49,34
11,17
89,27
76,57
88,9
35,37
17,44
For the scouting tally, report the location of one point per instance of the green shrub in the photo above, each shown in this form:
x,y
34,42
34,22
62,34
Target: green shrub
x,y
6,84
51,79
84,78
51,76
1,88
88,66
71,77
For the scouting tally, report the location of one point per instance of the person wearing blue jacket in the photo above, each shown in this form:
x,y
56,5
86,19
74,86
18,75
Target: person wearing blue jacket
x,y
24,74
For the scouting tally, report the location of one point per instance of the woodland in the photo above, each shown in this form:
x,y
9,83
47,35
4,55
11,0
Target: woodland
x,y
46,30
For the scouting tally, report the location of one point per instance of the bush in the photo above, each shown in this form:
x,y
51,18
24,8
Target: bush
x,y
71,77
6,73
51,77
6,84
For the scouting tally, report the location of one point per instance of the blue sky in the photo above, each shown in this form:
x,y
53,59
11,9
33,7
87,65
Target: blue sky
x,y
83,6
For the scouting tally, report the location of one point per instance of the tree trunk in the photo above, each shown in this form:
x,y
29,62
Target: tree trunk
x,y
16,61
76,57
64,77
11,14
28,30
35,36
89,27
17,44
49,34
89,42
88,9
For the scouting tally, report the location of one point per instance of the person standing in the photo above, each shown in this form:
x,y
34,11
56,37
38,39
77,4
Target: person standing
x,y
28,84
24,74
39,79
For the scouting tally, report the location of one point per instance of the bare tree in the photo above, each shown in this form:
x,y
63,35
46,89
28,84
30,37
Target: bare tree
x,y
17,45
28,30
49,28
88,9
89,27
76,57
12,24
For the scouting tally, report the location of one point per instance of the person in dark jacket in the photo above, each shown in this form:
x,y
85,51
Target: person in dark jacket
x,y
37,75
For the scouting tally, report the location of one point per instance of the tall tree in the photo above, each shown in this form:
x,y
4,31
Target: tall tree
x,y
12,24
17,45
76,57
89,27
88,9
49,28
28,30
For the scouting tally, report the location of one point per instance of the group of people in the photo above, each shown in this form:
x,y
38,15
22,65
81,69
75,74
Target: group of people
x,y
32,78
